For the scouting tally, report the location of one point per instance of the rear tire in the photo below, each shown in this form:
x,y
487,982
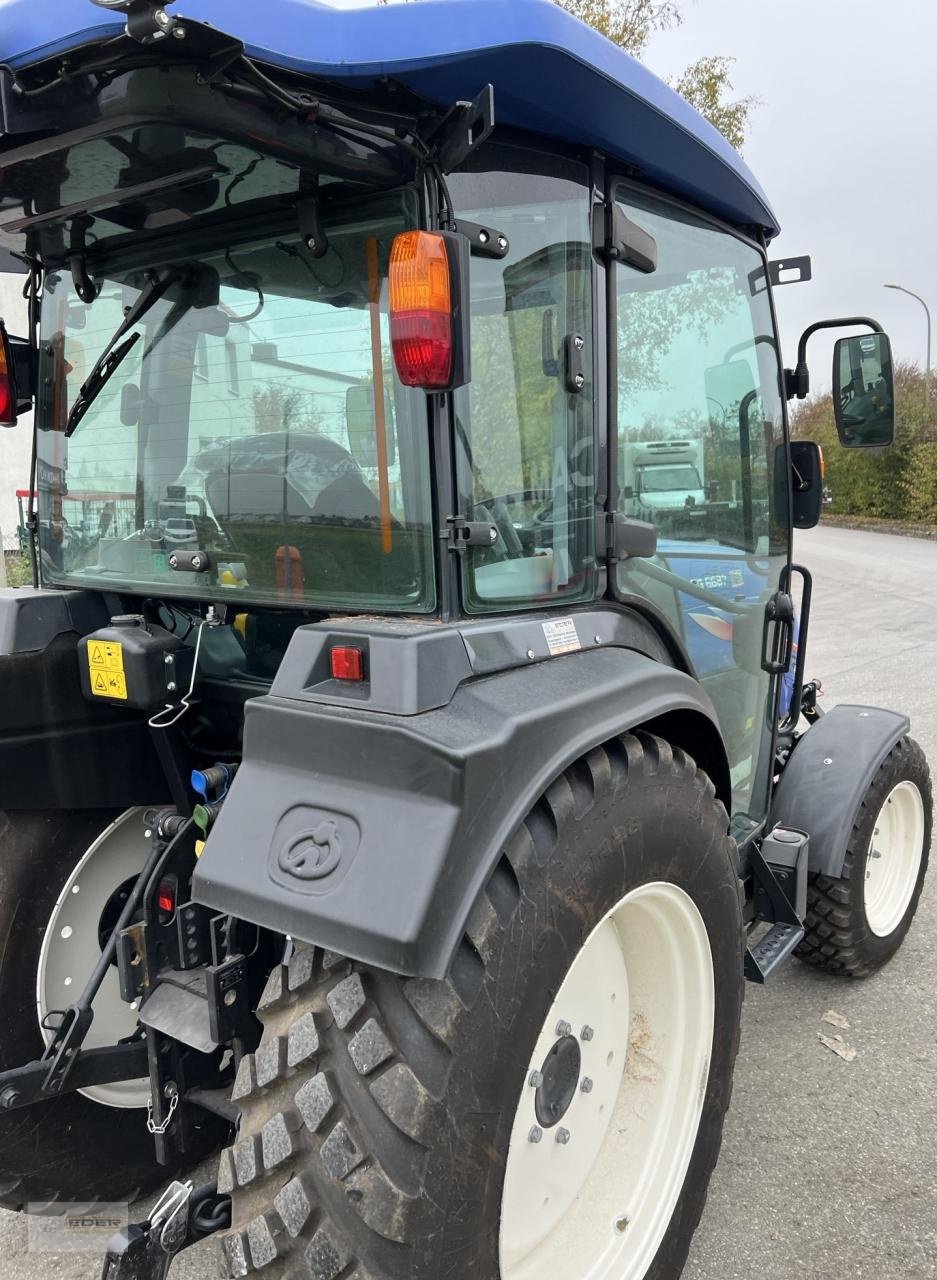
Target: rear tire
x,y
69,1149
377,1113
856,923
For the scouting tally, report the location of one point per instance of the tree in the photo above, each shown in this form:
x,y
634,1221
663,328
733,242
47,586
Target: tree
x,y
706,84
284,408
896,483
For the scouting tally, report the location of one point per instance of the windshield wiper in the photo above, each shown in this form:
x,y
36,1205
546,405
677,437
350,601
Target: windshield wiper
x,y
113,354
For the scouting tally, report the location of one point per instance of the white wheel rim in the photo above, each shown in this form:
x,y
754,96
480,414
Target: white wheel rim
x,y
71,948
598,1206
894,861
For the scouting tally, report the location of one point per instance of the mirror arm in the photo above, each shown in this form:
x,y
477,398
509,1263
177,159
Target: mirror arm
x,y
797,381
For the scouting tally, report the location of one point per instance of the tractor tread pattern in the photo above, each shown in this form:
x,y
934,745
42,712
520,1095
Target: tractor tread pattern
x,y
835,928
335,1140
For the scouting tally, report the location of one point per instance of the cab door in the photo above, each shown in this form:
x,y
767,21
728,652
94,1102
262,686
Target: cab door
x,y
699,396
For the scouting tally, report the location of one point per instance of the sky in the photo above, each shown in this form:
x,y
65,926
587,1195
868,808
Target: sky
x,y
843,142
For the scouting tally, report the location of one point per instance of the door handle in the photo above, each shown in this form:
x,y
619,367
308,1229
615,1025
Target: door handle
x,y
777,641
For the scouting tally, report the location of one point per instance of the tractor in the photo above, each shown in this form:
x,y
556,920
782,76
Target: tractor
x,y
389,816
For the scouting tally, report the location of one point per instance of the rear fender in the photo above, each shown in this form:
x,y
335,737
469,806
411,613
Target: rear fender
x,y
372,834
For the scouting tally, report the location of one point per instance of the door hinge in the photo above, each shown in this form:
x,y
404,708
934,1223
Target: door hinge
x,y
461,533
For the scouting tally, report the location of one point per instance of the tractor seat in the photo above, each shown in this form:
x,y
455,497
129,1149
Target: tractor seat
x,y
296,489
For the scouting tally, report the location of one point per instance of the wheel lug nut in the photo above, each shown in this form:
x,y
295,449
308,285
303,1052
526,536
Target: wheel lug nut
x,y
586,1034
563,1028
562,1136
535,1134
586,1085
536,1079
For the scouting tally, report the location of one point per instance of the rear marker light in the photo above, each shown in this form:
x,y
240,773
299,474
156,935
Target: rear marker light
x,y
421,328
166,899
347,663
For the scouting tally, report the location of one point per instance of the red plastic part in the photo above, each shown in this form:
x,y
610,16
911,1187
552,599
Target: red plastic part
x,y
347,663
7,393
423,348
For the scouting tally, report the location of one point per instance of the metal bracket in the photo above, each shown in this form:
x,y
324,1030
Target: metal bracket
x,y
311,228
226,987
464,127
148,22
461,533
484,242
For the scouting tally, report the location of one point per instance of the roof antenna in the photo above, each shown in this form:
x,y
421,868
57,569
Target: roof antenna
x,y
147,20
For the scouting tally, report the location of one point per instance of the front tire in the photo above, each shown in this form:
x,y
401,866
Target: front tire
x,y
378,1112
856,922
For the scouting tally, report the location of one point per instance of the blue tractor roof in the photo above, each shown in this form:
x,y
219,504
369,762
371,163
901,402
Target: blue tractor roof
x,y
552,74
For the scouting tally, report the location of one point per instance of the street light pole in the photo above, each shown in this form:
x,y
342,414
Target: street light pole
x,y
910,293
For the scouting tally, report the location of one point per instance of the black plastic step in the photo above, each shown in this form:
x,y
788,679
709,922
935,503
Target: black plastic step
x,y
770,952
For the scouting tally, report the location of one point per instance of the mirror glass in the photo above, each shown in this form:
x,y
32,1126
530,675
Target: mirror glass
x,y
864,391
361,425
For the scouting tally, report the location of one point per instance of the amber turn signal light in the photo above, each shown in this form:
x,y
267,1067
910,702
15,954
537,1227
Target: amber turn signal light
x,y
422,300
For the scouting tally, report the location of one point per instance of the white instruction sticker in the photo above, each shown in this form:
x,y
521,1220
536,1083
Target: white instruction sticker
x,y
561,636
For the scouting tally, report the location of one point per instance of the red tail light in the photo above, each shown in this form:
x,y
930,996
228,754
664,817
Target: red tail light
x,y
421,321
7,388
347,663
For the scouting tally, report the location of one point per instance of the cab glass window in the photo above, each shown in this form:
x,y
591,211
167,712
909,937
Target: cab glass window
x,y
701,456
523,428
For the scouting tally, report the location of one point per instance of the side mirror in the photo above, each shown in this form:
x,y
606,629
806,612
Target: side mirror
x,y
361,425
131,403
806,484
864,391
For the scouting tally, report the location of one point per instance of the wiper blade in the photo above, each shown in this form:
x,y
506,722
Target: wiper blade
x,y
113,354
94,384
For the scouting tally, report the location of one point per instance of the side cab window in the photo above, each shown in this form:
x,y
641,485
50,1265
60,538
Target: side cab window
x,y
701,456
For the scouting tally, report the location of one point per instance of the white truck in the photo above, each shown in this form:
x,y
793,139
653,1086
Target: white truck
x,y
662,475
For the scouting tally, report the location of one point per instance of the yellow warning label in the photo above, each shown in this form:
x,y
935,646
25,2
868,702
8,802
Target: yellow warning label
x,y
106,664
106,654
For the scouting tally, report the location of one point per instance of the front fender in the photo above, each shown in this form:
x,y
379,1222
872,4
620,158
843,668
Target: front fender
x,y
372,834
827,775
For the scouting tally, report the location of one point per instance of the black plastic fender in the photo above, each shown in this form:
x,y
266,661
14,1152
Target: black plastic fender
x,y
57,750
827,775
372,834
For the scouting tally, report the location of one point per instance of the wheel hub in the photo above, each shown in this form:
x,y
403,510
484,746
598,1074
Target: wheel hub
x,y
612,1098
560,1081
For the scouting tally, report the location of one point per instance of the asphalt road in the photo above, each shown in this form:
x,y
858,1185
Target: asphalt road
x,y
829,1169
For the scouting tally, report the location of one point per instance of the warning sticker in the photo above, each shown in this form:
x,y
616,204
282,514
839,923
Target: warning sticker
x,y
106,664
561,636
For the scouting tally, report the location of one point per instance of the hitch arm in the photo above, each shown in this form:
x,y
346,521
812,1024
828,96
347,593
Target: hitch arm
x,y
23,1086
